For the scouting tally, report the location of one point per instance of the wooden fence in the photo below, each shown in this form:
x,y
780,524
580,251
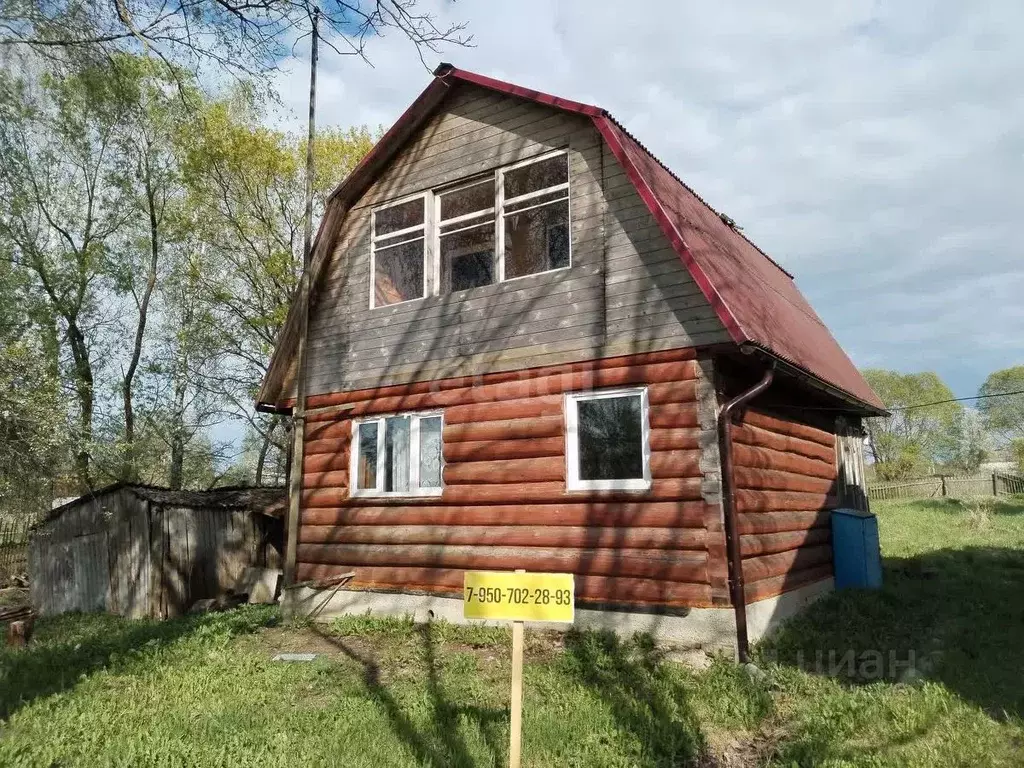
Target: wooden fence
x,y
13,546
996,484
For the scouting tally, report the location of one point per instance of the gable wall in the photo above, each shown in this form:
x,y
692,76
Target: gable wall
x,y
627,291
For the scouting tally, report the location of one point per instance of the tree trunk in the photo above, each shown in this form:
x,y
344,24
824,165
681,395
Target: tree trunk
x,y
129,471
84,391
177,470
261,460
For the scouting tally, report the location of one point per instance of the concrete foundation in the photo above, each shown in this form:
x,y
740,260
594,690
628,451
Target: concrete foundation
x,y
701,629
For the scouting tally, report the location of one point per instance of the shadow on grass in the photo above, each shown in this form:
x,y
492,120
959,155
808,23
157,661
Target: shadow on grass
x,y
441,742
645,698
955,616
68,648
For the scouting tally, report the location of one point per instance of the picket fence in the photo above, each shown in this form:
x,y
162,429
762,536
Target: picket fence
x,y
996,484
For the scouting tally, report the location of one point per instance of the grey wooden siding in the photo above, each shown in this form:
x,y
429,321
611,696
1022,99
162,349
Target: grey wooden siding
x,y
627,291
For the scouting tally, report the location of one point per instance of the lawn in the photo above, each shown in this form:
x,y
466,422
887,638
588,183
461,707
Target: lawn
x,y
97,690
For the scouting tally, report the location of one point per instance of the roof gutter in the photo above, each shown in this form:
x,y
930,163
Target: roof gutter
x,y
734,552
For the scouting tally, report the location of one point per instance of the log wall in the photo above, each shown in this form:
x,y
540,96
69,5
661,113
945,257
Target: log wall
x,y
505,503
785,477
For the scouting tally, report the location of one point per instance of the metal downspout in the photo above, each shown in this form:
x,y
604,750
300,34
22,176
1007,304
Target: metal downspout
x,y
732,537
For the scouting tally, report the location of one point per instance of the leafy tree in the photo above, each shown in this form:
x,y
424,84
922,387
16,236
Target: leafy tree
x,y
63,202
33,431
246,185
1004,415
967,444
912,437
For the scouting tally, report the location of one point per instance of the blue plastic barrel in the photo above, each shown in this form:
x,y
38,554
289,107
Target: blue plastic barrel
x,y
856,558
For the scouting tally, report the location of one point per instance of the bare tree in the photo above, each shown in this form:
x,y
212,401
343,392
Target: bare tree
x,y
244,37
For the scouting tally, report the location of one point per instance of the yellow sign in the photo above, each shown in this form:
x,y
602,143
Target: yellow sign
x,y
507,596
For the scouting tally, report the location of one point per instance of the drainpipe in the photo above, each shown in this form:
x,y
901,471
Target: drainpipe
x,y
732,536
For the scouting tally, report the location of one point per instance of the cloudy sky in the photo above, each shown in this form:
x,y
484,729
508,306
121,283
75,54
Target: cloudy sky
x,y
876,150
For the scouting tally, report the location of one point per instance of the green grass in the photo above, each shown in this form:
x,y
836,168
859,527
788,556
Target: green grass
x,y
98,690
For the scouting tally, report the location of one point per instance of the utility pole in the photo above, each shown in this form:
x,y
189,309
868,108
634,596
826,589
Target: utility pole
x,y
299,410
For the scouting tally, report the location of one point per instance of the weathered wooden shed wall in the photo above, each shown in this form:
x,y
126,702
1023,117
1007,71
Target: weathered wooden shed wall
x,y
626,292
505,503
125,552
70,557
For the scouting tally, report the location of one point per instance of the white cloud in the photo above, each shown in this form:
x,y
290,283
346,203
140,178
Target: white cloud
x,y
876,150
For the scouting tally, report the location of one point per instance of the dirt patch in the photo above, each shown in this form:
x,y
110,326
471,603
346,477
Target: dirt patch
x,y
743,750
309,640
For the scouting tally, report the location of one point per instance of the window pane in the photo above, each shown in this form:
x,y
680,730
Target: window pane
x,y
398,217
537,176
366,468
459,202
610,438
398,273
430,452
537,240
396,453
467,259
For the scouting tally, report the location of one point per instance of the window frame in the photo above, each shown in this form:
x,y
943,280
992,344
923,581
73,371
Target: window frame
x,y
426,226
432,225
572,445
499,209
438,222
414,457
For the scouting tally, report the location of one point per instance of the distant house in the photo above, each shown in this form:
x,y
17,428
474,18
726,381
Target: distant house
x,y
523,330
141,551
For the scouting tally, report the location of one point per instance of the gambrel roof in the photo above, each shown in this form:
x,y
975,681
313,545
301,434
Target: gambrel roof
x,y
756,300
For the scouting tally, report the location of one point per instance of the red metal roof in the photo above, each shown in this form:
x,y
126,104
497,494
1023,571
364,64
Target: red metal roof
x,y
755,298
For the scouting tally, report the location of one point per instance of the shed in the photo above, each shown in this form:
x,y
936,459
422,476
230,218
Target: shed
x,y
142,551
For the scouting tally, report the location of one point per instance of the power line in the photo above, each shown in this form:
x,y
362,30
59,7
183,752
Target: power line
x,y
899,407
956,400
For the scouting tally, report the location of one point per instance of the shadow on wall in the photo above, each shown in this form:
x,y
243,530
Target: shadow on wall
x,y
955,616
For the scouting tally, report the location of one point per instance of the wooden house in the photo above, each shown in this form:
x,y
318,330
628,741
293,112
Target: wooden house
x,y
526,343
140,551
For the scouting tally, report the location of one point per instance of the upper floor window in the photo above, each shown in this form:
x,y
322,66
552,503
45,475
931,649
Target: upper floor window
x,y
398,252
511,224
535,209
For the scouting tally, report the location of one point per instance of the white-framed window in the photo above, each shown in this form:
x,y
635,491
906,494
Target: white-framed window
x,y
398,255
397,455
465,236
510,224
534,231
608,443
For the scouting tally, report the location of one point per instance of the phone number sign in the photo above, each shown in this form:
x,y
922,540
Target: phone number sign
x,y
507,596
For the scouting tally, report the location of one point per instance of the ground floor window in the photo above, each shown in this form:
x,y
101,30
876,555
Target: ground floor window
x,y
608,445
397,455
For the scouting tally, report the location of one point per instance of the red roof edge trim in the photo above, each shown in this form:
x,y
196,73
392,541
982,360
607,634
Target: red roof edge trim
x,y
427,100
607,129
517,90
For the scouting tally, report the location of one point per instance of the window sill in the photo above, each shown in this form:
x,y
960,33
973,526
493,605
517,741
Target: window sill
x,y
397,495
628,486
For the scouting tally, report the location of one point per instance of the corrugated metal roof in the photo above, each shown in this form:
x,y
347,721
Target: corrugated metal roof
x,y
754,297
265,500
